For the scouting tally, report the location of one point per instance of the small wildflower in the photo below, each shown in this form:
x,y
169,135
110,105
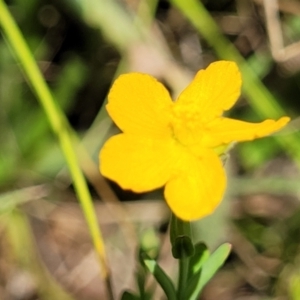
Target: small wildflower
x,y
177,144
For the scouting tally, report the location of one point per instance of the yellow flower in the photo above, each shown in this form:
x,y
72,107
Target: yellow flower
x,y
174,144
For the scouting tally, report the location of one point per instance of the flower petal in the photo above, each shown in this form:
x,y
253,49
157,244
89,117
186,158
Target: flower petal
x,y
198,189
139,104
212,91
137,163
224,130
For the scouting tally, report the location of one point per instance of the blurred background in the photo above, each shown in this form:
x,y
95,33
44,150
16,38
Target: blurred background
x,y
81,46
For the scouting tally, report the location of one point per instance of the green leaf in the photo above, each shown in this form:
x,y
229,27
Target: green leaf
x,y
161,277
198,259
208,270
129,296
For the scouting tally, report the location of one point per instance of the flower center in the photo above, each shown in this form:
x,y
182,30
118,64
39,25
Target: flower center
x,y
188,130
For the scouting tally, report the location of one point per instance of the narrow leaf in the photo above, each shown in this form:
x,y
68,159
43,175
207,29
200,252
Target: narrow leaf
x,y
208,270
129,296
198,259
161,277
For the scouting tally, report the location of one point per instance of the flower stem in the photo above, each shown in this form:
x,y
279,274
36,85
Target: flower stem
x,y
182,249
60,127
183,276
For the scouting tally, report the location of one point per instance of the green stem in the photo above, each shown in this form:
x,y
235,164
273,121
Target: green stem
x,y
61,128
183,277
181,238
182,249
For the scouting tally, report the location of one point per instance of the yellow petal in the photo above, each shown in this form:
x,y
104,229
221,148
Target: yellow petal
x,y
224,130
212,91
139,104
139,164
198,188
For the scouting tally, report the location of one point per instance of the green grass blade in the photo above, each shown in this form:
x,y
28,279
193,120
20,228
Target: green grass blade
x,y
59,125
